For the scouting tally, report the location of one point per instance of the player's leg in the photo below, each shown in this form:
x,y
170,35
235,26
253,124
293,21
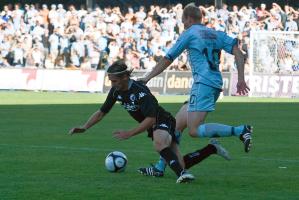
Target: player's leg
x,y
158,169
190,159
198,156
162,143
202,101
193,158
175,148
200,129
181,118
181,124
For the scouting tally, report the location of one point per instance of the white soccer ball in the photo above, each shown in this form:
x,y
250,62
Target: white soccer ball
x,y
116,161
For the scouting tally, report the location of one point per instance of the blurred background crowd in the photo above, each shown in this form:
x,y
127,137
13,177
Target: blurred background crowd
x,y
57,37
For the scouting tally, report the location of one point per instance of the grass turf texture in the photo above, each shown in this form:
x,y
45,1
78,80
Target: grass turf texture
x,y
38,160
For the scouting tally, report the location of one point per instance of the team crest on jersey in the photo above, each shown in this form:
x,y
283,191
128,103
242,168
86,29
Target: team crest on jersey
x,y
141,94
132,97
163,125
130,107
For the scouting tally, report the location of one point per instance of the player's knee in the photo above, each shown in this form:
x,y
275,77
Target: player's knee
x,y
180,127
161,140
159,146
194,128
193,132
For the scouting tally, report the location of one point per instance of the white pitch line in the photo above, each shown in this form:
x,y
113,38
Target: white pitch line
x,y
88,149
270,159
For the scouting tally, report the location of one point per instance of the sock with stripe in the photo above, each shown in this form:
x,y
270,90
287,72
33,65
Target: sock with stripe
x,y
171,160
219,130
196,157
161,164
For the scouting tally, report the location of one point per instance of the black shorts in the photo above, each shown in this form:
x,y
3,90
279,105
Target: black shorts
x,y
164,121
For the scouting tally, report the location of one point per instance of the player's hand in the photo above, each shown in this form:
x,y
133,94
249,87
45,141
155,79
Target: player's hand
x,y
242,88
122,135
77,130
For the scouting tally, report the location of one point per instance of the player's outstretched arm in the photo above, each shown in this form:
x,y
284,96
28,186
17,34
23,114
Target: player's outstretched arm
x,y
95,118
242,87
77,130
143,126
160,67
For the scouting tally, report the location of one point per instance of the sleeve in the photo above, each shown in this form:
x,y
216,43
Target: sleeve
x,y
227,42
109,102
180,45
148,105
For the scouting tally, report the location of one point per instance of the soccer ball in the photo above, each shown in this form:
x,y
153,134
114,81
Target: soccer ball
x,y
116,161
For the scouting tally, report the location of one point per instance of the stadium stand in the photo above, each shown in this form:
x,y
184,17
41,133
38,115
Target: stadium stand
x,y
56,37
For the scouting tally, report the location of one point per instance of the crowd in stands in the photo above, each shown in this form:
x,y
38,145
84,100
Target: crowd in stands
x,y
59,37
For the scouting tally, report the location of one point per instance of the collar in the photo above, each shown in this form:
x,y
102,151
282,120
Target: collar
x,y
130,83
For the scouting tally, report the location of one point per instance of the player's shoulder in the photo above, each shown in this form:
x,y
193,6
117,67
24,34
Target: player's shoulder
x,y
203,30
138,82
139,85
196,27
221,33
191,30
140,89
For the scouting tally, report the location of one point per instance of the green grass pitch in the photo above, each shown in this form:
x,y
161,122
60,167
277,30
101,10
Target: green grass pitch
x,y
38,160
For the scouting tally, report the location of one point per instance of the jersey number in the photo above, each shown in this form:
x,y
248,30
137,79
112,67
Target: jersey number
x,y
213,58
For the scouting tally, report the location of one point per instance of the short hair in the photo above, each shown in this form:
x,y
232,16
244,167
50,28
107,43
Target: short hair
x,y
119,68
191,10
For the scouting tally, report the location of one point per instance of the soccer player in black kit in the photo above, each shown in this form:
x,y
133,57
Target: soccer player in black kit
x,y
137,99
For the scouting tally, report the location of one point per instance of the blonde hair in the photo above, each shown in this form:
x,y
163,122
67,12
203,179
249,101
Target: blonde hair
x,y
191,10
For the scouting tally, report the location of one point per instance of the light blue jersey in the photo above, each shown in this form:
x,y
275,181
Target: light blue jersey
x,y
203,46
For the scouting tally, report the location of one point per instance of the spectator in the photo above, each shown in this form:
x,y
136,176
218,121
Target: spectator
x,y
140,15
44,13
291,25
37,56
17,16
18,53
262,13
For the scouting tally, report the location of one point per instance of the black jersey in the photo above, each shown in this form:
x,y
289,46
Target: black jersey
x,y
137,100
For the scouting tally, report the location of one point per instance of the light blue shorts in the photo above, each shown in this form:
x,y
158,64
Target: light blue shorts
x,y
203,98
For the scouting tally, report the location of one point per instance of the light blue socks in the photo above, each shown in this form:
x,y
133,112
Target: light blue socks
x,y
219,130
161,164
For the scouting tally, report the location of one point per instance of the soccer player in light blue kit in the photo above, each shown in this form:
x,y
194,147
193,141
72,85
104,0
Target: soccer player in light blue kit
x,y
203,46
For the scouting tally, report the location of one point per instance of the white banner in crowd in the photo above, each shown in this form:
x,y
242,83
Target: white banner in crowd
x,y
266,85
261,85
52,80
